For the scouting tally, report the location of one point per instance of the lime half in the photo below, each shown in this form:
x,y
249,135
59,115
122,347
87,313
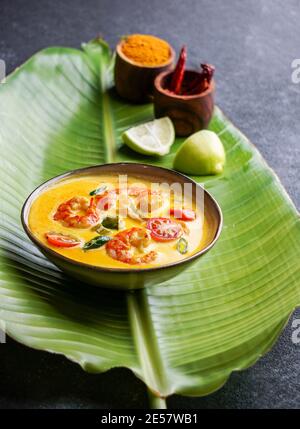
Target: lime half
x,y
152,138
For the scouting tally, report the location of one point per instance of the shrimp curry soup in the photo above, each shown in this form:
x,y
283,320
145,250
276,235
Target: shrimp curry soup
x,y
138,224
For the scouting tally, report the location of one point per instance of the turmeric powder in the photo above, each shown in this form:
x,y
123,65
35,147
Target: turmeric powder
x,y
146,50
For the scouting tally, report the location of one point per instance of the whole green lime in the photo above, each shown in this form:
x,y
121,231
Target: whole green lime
x,y
201,153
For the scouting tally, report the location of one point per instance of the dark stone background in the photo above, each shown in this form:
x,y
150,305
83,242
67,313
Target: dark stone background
x,y
252,44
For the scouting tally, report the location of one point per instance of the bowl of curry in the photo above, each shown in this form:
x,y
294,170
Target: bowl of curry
x,y
122,225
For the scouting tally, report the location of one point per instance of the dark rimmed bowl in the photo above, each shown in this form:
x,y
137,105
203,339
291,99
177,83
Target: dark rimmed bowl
x,y
135,82
127,278
189,113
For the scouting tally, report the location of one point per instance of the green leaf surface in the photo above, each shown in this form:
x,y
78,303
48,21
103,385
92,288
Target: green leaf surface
x,y
96,242
58,112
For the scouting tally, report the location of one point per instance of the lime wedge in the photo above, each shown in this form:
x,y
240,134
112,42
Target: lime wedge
x,y
152,138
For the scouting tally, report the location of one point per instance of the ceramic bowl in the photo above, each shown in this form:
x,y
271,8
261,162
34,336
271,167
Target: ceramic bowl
x,y
189,113
127,278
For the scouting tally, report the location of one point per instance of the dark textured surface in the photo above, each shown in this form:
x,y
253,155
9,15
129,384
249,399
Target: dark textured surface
x,y
252,44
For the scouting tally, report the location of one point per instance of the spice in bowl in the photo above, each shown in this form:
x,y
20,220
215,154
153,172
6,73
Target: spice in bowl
x,y
139,59
146,50
182,83
185,96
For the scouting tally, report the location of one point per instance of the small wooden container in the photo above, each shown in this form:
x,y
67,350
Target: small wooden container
x,y
189,113
135,82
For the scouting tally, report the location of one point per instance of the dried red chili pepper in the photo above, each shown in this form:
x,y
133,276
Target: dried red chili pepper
x,y
190,83
207,72
178,74
200,82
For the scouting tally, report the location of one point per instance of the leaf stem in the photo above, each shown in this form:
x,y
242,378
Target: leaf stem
x,y
152,366
156,402
108,130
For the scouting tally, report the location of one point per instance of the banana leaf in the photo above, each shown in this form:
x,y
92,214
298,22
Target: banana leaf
x,y
59,111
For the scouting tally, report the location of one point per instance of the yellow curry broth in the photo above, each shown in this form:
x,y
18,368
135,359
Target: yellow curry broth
x,y
41,221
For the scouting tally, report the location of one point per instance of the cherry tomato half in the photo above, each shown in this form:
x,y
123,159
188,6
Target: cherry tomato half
x,y
164,229
184,214
61,240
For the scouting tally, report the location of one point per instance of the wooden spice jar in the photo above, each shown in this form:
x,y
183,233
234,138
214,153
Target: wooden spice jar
x,y
189,113
134,81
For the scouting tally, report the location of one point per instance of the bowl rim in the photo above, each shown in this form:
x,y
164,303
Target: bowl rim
x,y
142,66
31,197
161,90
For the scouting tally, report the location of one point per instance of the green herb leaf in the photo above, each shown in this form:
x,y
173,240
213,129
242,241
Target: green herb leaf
x,y
96,242
182,245
101,230
98,191
111,222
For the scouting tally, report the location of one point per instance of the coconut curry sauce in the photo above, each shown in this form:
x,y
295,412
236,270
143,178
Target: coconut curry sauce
x,y
92,220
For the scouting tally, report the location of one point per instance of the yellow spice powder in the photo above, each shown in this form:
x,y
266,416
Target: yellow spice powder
x,y
146,50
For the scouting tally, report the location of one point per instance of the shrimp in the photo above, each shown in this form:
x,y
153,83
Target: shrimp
x,y
135,191
149,202
78,212
185,228
146,200
133,212
107,200
127,245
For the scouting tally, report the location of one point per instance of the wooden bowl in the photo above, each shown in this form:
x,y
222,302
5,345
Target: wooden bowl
x,y
189,113
135,82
